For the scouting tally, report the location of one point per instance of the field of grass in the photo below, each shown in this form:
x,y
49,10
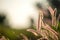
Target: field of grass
x,y
43,31
12,34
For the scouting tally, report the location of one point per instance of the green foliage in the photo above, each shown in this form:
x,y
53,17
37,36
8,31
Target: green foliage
x,y
58,29
13,34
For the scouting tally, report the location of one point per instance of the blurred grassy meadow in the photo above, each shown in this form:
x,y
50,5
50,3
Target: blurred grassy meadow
x,y
48,27
26,34
13,34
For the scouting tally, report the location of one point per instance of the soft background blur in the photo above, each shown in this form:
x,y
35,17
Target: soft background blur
x,y
22,14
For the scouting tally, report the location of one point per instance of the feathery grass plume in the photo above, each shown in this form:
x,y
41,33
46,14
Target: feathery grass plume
x,y
24,36
44,29
40,20
58,19
45,32
53,15
3,38
53,33
47,27
38,28
33,31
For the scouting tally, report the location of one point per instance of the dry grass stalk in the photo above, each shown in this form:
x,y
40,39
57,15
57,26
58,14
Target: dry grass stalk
x,y
53,15
47,27
24,37
48,30
40,20
3,38
33,31
58,19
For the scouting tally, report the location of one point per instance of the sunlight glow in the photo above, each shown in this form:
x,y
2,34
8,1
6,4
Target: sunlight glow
x,y
19,11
